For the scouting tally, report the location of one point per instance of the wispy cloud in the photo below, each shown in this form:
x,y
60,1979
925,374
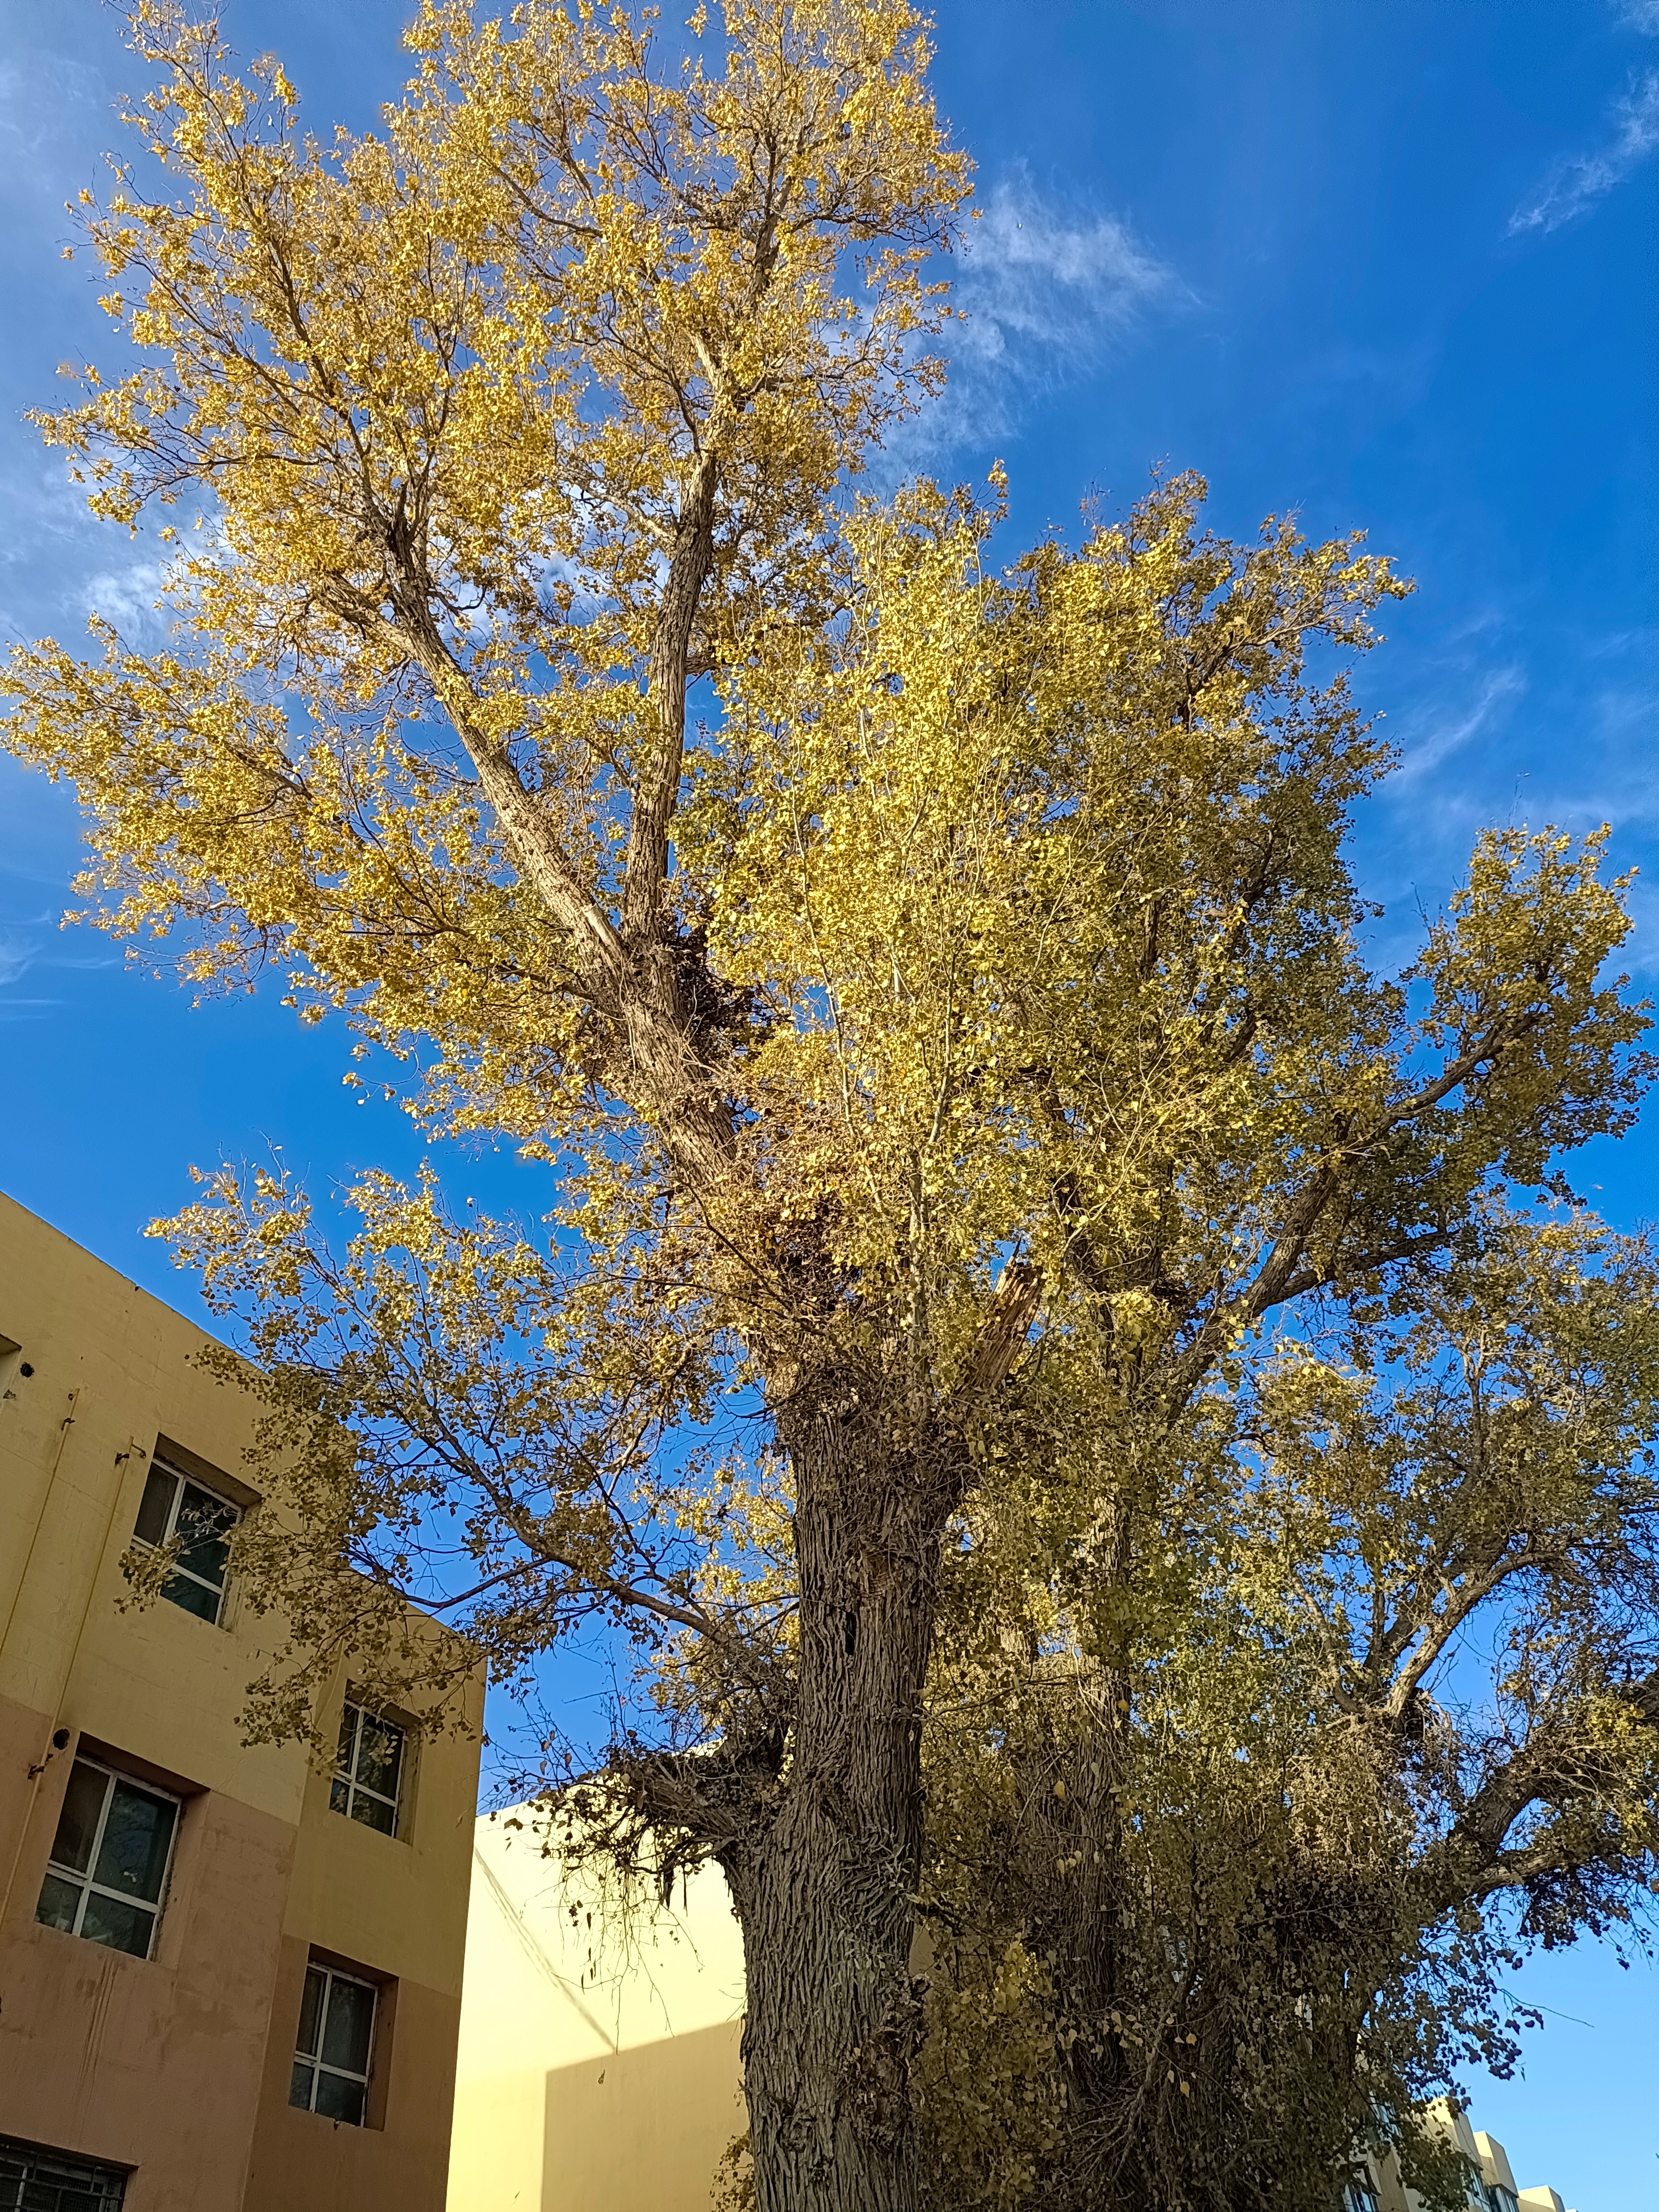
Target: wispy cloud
x,y
1036,279
127,596
1045,293
16,957
32,948
1500,686
1640,16
1574,186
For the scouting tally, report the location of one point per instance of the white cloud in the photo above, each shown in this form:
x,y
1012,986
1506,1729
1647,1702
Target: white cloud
x,y
1641,15
127,597
1573,186
1045,295
16,957
1427,754
1033,279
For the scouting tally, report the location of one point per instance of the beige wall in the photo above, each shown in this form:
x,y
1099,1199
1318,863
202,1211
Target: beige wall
x,y
1484,2152
598,2069
176,2066
151,2063
392,1906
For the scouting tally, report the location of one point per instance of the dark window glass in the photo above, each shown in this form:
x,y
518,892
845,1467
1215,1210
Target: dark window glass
x,y
36,2180
193,1597
369,1770
137,1834
333,2049
77,1823
124,1833
60,1901
339,2098
350,2022
160,1487
203,1530
379,1753
112,1921
174,1506
373,1812
311,2010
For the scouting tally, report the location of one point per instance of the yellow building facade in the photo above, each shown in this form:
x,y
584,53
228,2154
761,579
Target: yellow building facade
x,y
598,2066
1491,2184
228,1982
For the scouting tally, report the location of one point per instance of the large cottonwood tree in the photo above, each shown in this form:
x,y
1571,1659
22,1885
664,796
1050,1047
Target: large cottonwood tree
x,y
987,978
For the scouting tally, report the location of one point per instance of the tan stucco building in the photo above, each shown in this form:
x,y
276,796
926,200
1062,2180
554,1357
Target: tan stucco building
x,y
228,1982
599,2069
598,2066
1491,2184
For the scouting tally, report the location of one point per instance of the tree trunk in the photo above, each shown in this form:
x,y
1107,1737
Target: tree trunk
x,y
1080,1877
826,1892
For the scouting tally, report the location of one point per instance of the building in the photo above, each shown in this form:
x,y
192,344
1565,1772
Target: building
x,y
599,2067
228,1982
1491,2184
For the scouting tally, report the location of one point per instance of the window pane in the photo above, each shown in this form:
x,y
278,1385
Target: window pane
x,y
151,1525
379,1753
58,1901
122,1927
340,2099
373,1813
337,1794
195,1597
203,1528
348,1738
51,2181
134,1855
299,2089
77,1823
311,2011
346,2032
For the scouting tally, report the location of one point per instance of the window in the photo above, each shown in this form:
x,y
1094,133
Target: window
x,y
337,2034
109,1860
175,1505
1498,2198
368,1772
1359,2196
34,2180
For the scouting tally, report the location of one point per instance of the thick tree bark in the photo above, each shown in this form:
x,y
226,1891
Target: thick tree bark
x,y
1083,1880
825,1891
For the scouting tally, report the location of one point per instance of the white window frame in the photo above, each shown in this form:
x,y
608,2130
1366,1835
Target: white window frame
x,y
86,1882
315,2060
349,1776
62,2169
160,1462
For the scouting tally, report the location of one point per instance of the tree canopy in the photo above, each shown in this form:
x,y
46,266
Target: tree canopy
x,y
1389,1648
959,1054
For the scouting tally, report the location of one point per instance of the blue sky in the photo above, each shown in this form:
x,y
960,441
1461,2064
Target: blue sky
x,y
1390,265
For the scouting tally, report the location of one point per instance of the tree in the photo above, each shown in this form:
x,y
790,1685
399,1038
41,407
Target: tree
x,y
1001,1015
1394,1722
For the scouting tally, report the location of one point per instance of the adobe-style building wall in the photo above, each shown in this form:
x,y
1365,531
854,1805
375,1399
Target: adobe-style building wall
x,y
1491,2184
597,2069
176,2067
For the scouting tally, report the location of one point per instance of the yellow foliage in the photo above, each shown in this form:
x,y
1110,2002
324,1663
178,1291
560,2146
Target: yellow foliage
x,y
956,1056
